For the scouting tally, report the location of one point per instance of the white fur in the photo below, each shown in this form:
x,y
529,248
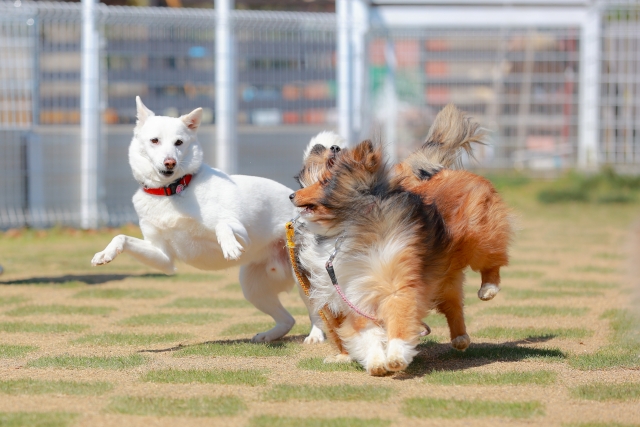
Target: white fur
x,y
367,347
326,139
218,221
487,291
399,355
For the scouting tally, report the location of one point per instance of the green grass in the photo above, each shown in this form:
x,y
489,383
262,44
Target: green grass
x,y
33,386
12,300
141,293
317,364
232,287
437,320
250,377
238,349
595,269
497,332
274,421
36,419
453,408
535,311
514,293
254,328
9,350
30,310
624,350
490,379
88,362
529,261
607,392
41,328
172,319
610,255
577,284
107,339
208,303
342,392
177,407
521,274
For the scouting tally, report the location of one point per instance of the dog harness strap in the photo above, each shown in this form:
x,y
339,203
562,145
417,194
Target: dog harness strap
x,y
303,281
175,187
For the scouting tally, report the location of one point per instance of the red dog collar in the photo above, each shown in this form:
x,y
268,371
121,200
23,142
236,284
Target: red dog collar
x,y
175,187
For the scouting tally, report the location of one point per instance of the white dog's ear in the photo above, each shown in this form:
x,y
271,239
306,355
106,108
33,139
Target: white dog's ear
x,y
193,119
143,112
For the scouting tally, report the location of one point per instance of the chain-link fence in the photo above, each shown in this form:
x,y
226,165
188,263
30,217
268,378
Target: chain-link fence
x,y
523,83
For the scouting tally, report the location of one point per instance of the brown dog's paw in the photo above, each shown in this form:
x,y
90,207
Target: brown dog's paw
x,y
488,291
377,370
461,342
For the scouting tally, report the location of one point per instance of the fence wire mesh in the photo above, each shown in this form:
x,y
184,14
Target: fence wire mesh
x,y
522,84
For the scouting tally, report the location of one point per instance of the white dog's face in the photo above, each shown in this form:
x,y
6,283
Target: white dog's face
x,y
164,149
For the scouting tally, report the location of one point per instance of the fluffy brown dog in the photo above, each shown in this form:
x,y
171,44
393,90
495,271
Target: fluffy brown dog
x,y
404,246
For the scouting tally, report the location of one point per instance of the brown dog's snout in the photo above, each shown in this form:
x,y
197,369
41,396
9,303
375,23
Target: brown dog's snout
x,y
292,196
169,163
335,149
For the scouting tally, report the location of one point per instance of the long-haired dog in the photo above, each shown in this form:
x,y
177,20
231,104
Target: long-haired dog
x,y
205,218
398,256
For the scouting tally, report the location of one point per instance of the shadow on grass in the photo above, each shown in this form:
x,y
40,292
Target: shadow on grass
x,y
281,343
87,279
441,357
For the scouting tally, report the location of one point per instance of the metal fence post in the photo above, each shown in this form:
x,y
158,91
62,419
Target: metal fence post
x,y
344,12
226,97
90,116
360,67
588,121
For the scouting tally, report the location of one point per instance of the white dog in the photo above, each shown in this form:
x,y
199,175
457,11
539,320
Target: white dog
x,y
205,218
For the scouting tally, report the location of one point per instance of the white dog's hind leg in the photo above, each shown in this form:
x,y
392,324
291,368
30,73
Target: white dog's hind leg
x,y
316,335
262,291
142,250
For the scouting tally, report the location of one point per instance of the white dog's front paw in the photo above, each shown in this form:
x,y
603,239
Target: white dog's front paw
x,y
231,249
109,253
315,336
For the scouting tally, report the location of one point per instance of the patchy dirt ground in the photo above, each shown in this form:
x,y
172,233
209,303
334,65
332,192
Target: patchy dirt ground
x,y
574,269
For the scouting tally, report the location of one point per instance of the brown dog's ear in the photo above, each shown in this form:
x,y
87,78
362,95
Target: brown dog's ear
x,y
367,154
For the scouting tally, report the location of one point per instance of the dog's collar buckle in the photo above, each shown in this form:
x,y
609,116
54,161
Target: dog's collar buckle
x,y
176,187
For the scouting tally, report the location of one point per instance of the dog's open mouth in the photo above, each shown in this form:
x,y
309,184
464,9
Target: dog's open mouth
x,y
307,209
166,173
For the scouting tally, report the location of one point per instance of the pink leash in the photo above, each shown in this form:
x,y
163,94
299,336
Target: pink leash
x,y
334,281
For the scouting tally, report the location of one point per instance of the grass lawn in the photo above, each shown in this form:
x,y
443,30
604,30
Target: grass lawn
x,y
125,345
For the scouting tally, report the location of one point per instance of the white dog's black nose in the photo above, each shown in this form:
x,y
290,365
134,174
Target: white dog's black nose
x,y
169,163
334,149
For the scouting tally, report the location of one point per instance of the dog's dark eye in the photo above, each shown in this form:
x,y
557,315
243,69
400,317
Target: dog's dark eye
x,y
179,142
154,141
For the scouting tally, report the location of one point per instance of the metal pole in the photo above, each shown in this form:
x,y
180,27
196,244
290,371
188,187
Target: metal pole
x,y
391,103
345,74
226,120
359,57
588,122
90,116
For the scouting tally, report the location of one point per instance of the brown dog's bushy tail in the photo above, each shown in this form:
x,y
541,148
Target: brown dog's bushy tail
x,y
452,133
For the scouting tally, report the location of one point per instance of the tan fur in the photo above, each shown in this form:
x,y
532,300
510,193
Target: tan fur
x,y
418,279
